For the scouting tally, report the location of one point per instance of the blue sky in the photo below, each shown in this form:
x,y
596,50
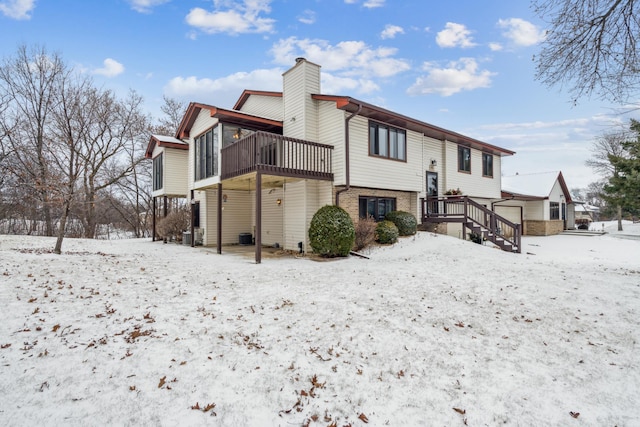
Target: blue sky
x,y
464,65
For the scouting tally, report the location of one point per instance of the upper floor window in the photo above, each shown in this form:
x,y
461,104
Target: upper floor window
x,y
464,159
206,154
487,165
157,172
386,141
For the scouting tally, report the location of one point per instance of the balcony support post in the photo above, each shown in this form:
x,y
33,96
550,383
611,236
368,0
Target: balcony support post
x,y
258,232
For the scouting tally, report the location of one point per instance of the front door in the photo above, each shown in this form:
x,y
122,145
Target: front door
x,y
432,193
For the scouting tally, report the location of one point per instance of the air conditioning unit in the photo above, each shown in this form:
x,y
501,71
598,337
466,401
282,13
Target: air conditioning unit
x,y
199,232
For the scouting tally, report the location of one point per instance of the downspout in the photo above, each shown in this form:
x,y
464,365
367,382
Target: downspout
x,y
346,155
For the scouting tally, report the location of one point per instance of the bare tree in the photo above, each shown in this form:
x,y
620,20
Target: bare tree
x,y
591,46
118,126
608,144
28,84
173,111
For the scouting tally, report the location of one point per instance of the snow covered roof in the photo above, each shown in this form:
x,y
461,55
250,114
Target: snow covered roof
x,y
169,139
164,141
534,184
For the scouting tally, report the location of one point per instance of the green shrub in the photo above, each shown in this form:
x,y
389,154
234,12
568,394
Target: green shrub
x,y
365,233
387,232
475,237
405,221
331,232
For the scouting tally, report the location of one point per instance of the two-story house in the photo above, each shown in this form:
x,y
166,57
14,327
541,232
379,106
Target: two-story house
x,y
263,168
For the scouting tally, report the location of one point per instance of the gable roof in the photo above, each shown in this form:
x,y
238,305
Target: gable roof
x,y
352,105
164,141
231,116
247,93
533,186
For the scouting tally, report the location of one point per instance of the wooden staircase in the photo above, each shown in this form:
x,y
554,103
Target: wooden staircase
x,y
474,217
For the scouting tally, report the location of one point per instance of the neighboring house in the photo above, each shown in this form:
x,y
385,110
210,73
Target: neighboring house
x,y
170,181
586,214
540,202
258,172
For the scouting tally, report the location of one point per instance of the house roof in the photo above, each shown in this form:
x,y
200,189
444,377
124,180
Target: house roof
x,y
164,141
231,116
533,186
247,93
352,105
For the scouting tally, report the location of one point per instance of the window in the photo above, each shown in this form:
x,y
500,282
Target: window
x,y
376,207
206,158
487,165
157,172
554,210
464,159
386,141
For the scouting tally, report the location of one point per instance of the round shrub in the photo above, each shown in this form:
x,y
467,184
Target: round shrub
x,y
387,232
331,232
405,221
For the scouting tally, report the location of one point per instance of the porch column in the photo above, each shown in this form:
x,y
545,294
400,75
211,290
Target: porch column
x,y
219,219
192,202
153,220
164,213
258,236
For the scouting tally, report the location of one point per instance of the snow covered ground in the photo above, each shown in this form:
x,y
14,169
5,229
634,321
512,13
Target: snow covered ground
x,y
430,331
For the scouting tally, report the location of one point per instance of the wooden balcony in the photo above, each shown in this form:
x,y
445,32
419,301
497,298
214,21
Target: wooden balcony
x,y
273,154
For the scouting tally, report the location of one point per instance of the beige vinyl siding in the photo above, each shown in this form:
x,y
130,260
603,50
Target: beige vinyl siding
x,y
375,172
264,106
236,217
203,122
302,199
432,150
272,216
535,210
331,132
174,173
300,118
294,215
472,184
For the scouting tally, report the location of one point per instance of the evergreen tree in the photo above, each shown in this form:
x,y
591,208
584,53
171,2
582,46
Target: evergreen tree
x,y
623,188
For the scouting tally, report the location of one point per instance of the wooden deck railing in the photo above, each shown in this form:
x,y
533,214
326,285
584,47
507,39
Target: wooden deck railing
x,y
277,155
464,210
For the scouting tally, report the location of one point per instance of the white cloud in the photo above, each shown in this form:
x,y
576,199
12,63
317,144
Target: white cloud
x,y
337,85
352,58
111,68
244,17
495,47
521,32
370,4
145,6
373,3
459,76
390,31
308,17
455,35
17,9
223,90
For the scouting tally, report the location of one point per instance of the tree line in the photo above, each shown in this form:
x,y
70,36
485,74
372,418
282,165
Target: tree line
x,y
71,153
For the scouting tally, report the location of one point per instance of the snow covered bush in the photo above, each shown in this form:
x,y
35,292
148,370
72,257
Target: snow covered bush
x,y
365,233
405,221
331,232
387,232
